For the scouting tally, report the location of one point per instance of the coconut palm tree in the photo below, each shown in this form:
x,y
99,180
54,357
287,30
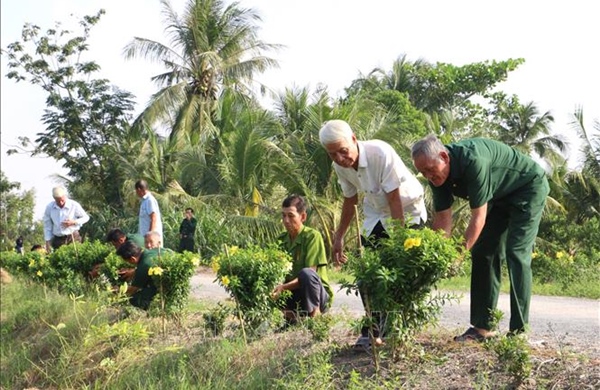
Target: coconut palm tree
x,y
526,129
212,47
584,186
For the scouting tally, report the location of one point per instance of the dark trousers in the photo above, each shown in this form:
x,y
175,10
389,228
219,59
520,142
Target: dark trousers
x,y
58,241
310,295
186,243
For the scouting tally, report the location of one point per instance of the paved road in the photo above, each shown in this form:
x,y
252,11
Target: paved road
x,y
553,320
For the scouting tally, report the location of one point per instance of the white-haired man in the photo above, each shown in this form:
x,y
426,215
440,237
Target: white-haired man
x,y
62,220
390,189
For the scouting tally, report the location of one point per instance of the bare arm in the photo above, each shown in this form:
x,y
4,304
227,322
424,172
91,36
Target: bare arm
x,y
442,220
345,220
152,222
132,290
476,224
395,203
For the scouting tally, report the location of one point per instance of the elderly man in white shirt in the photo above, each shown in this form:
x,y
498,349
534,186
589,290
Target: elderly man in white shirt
x,y
62,220
390,189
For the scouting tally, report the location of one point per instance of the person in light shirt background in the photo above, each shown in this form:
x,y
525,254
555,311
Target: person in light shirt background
x,y
149,217
62,220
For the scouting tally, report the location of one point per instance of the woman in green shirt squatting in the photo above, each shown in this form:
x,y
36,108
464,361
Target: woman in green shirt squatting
x,y
311,293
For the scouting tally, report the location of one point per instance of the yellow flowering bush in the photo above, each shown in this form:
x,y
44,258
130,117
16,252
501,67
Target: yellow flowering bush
x,y
398,277
250,275
171,275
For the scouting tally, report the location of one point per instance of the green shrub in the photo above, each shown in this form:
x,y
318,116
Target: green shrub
x,y
215,319
398,277
250,275
172,278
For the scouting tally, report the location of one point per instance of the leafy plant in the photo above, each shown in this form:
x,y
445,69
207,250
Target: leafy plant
x,y
398,278
250,275
319,326
513,354
215,319
172,278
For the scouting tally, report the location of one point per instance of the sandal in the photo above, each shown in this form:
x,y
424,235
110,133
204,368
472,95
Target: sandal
x,y
471,334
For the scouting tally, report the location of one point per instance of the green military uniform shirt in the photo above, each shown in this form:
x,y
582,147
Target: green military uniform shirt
x,y
483,170
137,239
142,280
307,250
188,227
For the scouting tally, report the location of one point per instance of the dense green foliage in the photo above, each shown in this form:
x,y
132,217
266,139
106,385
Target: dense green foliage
x,y
398,278
16,216
68,271
219,151
250,276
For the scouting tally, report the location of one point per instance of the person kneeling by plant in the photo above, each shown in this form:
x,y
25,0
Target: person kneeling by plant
x,y
307,280
142,289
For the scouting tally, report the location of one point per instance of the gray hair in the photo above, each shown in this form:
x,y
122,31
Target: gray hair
x,y
59,192
430,147
335,130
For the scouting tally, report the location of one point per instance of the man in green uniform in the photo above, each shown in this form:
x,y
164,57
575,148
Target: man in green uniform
x,y
187,229
142,289
117,237
307,280
507,192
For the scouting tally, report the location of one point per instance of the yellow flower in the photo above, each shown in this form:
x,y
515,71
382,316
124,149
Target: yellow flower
x,y
225,280
195,261
215,264
39,273
412,242
155,271
560,254
233,249
31,263
534,255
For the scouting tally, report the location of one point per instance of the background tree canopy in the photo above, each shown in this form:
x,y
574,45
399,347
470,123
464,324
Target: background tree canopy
x,y
204,140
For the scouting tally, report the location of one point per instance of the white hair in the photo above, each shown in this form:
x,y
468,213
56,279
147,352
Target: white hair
x,y
335,130
59,192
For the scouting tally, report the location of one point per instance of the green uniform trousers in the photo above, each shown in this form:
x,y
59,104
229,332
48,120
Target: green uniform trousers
x,y
509,233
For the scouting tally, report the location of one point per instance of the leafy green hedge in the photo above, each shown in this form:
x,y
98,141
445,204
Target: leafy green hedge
x,y
67,270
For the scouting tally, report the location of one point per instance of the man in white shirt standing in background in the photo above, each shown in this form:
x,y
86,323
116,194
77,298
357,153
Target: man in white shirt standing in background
x,y
149,217
62,220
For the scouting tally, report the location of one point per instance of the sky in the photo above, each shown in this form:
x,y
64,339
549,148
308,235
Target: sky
x,y
327,43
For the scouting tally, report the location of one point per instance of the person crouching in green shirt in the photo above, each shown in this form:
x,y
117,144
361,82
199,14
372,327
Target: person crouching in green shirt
x,y
307,280
141,290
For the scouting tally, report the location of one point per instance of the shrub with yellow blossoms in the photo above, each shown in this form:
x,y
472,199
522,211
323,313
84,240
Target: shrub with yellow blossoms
x,y
249,275
171,275
399,276
155,271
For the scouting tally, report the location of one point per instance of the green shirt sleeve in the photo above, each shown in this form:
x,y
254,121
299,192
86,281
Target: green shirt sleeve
x,y
314,249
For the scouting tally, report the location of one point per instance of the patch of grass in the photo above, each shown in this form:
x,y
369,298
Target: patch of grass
x,y
75,343
585,286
